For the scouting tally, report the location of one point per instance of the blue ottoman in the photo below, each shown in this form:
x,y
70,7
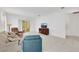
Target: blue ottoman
x,y
32,43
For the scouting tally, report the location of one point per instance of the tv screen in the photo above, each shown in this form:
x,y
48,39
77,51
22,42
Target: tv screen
x,y
44,25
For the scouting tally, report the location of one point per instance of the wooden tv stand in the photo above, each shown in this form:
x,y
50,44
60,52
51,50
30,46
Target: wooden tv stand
x,y
44,31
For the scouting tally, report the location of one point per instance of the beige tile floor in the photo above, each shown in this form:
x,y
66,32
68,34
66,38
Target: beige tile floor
x,y
55,44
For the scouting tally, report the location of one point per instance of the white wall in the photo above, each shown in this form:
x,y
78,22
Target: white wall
x,y
32,25
14,20
73,25
56,24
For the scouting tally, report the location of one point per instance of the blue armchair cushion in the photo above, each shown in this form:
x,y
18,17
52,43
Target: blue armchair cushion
x,y
32,43
30,37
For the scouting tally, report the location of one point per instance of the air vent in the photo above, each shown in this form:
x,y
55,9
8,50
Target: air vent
x,y
76,12
62,7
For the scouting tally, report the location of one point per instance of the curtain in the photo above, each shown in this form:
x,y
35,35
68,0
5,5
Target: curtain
x,y
25,26
3,21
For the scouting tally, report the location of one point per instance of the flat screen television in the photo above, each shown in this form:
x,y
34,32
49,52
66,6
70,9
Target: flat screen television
x,y
44,25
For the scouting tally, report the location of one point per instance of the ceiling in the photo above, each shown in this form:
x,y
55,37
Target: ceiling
x,y
31,10
38,11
